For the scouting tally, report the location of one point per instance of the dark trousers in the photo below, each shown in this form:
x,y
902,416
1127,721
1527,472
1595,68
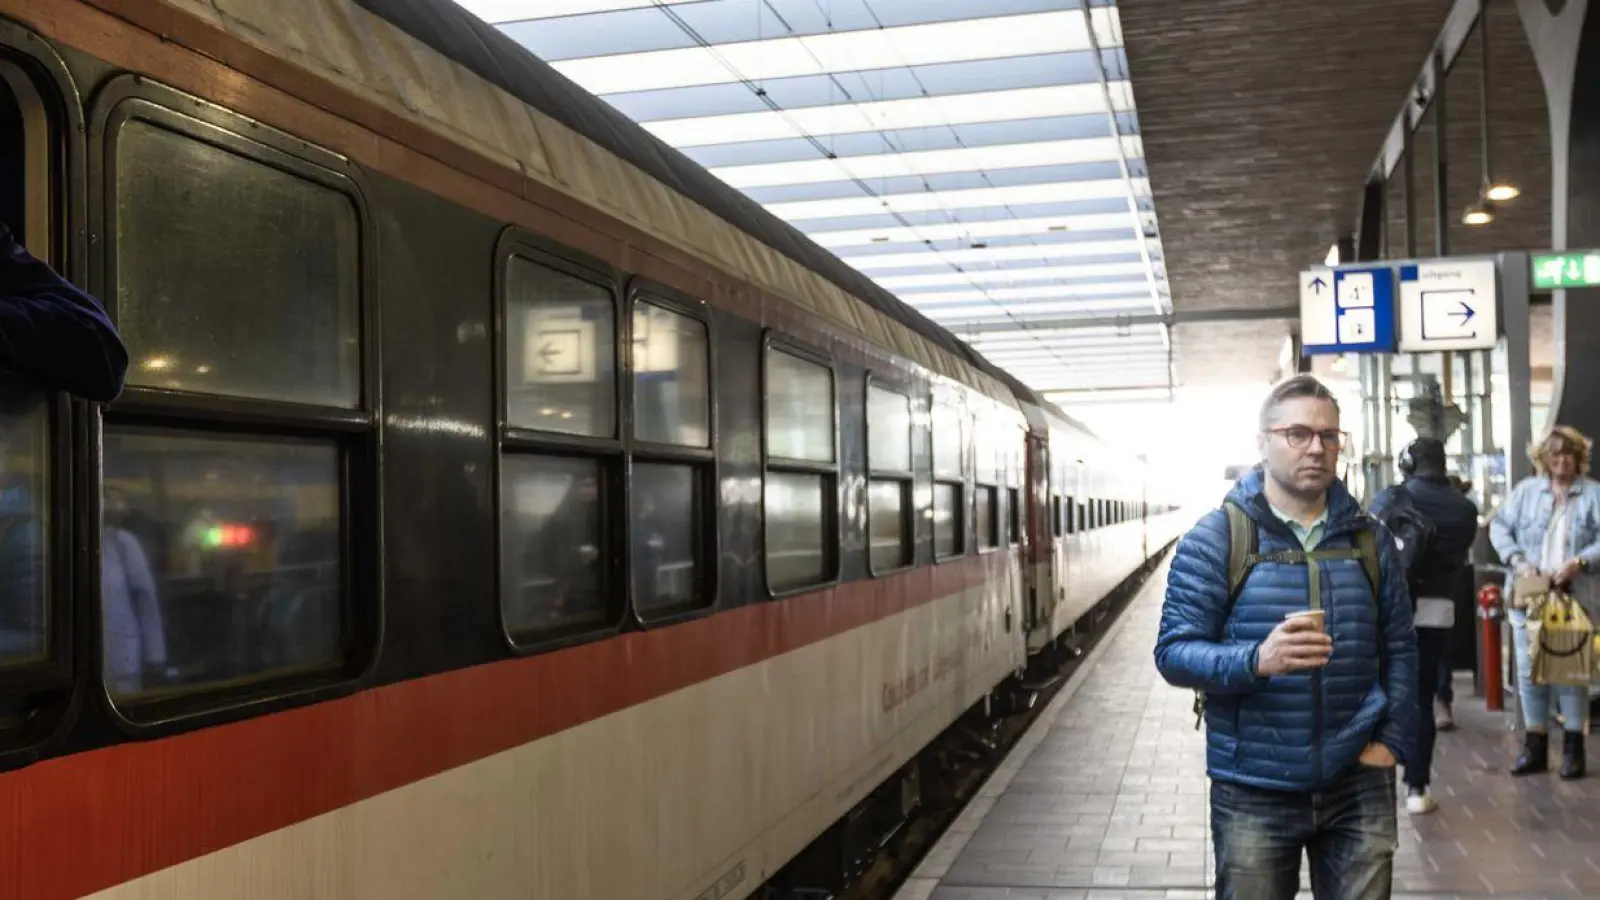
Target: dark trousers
x,y
1433,645
1349,832
1447,685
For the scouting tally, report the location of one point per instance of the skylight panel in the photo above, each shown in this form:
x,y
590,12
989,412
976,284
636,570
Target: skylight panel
x,y
924,201
962,230
979,255
998,37
1002,276
927,162
497,12
1027,294
886,115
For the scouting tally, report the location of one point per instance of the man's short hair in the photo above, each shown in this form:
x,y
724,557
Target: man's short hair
x,y
1293,388
1426,455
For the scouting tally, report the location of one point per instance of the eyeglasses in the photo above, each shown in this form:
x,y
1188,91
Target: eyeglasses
x,y
1298,437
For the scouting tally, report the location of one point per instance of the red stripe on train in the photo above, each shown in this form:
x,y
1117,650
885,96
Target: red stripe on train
x,y
82,823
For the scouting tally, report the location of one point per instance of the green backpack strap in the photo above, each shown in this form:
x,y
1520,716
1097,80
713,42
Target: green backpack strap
x,y
1242,557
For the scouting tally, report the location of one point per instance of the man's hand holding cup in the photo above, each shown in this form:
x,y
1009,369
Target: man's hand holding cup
x,y
1298,644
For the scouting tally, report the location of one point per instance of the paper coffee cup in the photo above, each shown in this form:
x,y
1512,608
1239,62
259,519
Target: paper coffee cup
x,y
1315,615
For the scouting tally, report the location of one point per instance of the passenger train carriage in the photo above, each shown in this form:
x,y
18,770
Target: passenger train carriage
x,y
500,506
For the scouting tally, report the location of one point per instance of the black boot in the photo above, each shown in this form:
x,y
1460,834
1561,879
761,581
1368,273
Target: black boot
x,y
1572,756
1535,756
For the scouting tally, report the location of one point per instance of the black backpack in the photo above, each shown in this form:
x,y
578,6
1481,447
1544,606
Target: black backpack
x,y
1413,532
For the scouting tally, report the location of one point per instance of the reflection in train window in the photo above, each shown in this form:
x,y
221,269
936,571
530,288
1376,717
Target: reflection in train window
x,y
887,502
560,352
666,527
949,438
888,430
553,548
796,529
947,524
24,526
261,312
671,373
799,408
220,561
986,517
889,489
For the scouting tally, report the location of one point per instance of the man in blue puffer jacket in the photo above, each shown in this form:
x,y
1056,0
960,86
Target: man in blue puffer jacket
x,y
1305,723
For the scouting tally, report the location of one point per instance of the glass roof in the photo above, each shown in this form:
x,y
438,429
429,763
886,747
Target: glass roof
x,y
979,158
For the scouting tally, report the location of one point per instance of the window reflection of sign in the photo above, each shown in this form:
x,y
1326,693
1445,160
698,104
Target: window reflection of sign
x,y
558,347
655,343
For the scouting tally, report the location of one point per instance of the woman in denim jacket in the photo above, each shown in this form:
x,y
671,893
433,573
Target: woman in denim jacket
x,y
1551,525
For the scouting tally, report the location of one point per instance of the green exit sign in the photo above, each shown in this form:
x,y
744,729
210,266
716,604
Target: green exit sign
x,y
1564,270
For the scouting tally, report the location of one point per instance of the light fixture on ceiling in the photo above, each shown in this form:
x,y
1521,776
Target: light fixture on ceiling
x,y
1332,259
1482,213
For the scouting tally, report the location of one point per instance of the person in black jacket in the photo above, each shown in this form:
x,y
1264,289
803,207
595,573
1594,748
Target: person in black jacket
x,y
53,334
1434,577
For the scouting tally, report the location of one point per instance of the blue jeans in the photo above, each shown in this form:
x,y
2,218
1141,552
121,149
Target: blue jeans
x,y
1349,832
1535,698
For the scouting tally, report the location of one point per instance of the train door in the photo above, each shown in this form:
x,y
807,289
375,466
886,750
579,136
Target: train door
x,y
1040,561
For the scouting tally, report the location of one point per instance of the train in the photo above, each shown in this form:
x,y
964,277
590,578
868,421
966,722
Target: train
x,y
499,505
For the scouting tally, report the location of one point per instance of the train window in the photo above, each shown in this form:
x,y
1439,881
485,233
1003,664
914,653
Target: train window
x,y
948,526
671,378
668,517
221,561
987,517
1013,515
560,356
797,526
799,408
553,555
263,313
889,489
949,439
1082,514
1055,515
799,498
25,627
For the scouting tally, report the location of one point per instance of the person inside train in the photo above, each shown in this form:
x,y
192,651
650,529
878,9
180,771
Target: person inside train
x,y
1288,610
1550,526
1437,573
134,633
53,334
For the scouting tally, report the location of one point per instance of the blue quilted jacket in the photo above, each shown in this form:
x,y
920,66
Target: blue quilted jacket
x,y
1303,731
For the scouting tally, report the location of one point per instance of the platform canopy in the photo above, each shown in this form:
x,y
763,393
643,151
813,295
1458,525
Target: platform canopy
x,y
981,159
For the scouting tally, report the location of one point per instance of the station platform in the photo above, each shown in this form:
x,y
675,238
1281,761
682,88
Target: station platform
x,y
1106,797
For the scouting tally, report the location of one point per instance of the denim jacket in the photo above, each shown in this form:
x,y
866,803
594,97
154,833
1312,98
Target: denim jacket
x,y
1520,524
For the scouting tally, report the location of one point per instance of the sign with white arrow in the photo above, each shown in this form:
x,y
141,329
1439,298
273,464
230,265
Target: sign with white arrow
x,y
1347,310
1448,304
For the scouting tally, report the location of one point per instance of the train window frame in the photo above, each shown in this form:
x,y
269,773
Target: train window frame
x,y
906,478
354,430
703,461
957,478
53,131
987,475
1014,529
832,515
608,453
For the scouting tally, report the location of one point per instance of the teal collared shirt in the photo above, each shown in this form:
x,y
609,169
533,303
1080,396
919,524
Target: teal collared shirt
x,y
1309,535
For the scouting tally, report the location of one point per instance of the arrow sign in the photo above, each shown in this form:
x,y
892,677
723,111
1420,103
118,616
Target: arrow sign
x,y
1318,285
1448,304
1465,312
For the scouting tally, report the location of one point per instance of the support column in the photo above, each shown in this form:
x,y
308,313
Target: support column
x,y
1566,46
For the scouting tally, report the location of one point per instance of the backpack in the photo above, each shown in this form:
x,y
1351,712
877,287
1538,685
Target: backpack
x,y
1413,531
1243,555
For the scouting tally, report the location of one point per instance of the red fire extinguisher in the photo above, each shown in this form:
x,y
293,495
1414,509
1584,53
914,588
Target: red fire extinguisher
x,y
1491,609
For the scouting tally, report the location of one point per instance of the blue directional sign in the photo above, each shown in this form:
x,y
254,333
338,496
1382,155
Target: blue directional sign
x,y
1349,309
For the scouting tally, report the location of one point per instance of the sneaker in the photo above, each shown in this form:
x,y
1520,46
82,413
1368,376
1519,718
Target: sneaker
x,y
1442,719
1420,802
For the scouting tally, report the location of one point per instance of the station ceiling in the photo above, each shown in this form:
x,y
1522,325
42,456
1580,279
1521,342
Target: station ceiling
x,y
987,161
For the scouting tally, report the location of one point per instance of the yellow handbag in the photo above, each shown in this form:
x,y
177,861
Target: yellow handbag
x,y
1561,640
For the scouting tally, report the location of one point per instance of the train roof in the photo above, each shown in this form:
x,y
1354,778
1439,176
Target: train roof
x,y
486,52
